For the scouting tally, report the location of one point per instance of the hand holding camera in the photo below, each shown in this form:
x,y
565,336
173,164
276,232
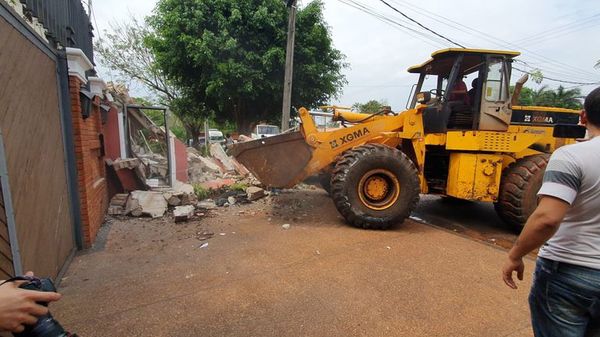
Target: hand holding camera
x,y
24,307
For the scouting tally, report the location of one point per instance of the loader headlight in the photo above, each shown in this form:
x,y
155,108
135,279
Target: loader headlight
x,y
423,97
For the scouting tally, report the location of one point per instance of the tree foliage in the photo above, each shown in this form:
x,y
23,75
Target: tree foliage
x,y
559,98
371,106
123,50
230,55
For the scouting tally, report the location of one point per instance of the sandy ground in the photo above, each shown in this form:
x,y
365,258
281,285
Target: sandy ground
x,y
318,278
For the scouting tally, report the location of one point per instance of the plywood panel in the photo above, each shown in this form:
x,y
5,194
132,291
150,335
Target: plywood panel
x,y
6,261
30,123
5,248
6,266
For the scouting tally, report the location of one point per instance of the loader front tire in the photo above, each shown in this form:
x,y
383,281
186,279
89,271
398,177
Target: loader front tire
x,y
325,181
375,186
519,185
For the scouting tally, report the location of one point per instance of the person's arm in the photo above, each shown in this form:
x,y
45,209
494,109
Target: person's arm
x,y
18,306
540,227
562,181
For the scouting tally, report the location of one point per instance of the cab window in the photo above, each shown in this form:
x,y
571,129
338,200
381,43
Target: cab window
x,y
495,87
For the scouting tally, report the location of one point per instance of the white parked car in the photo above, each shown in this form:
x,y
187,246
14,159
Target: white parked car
x,y
264,130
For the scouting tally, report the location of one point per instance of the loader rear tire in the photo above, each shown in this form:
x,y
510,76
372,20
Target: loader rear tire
x,y
375,186
519,185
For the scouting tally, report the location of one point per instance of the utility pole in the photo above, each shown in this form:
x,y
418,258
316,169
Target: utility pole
x,y
289,67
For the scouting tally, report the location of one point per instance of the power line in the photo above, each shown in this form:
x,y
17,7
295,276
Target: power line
x,y
486,36
469,30
557,80
559,29
368,10
418,23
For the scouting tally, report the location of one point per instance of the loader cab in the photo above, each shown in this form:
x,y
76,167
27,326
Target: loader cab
x,y
465,89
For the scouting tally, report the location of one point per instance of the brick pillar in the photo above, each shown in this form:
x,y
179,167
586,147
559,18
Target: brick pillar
x,y
90,164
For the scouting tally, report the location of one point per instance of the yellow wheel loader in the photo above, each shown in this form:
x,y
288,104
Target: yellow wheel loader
x,y
480,148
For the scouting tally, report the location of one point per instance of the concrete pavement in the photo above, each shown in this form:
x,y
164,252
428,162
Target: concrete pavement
x,y
318,278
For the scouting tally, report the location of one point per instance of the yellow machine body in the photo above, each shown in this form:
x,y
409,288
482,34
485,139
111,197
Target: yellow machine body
x,y
477,156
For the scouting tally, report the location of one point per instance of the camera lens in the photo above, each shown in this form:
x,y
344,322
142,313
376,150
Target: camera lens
x,y
46,326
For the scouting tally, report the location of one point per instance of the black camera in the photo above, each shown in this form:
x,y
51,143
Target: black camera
x,y
46,325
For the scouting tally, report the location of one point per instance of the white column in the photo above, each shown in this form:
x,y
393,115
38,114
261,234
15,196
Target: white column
x,y
122,134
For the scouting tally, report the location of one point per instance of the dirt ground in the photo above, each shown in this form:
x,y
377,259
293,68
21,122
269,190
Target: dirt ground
x,y
318,278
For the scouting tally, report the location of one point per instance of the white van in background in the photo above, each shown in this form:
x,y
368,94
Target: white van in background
x,y
264,130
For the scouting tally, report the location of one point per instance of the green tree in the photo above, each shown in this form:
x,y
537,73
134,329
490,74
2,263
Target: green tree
x,y
559,98
371,106
123,50
565,98
229,55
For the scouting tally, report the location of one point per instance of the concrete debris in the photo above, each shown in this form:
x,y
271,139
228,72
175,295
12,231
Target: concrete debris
x,y
207,164
206,204
231,200
133,208
148,202
119,199
155,166
183,213
184,188
128,163
286,226
254,193
217,152
117,204
115,210
173,201
239,168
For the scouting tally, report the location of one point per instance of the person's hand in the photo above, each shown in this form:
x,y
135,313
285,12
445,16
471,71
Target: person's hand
x,y
18,306
511,266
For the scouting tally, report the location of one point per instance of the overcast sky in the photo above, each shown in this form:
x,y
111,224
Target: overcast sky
x,y
558,37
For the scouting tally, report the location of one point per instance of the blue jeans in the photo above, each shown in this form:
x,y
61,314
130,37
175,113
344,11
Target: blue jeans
x,y
565,300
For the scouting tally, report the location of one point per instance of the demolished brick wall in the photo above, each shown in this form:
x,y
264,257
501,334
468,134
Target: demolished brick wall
x,y
91,171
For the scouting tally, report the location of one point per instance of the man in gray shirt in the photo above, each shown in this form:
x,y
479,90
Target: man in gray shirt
x,y
565,295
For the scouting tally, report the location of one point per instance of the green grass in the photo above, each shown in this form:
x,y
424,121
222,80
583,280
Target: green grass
x,y
201,192
238,187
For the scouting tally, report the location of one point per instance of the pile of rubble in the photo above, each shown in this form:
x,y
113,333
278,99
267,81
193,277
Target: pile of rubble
x,y
213,174
218,166
182,200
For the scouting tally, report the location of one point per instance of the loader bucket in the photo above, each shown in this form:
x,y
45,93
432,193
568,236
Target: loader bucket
x,y
277,161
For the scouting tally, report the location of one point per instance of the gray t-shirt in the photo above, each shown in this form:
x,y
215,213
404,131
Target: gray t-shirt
x,y
573,175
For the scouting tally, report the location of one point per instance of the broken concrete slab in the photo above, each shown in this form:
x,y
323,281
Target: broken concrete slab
x,y
174,201
217,152
115,210
119,199
183,213
206,164
182,188
206,204
128,163
254,193
239,168
133,208
150,203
